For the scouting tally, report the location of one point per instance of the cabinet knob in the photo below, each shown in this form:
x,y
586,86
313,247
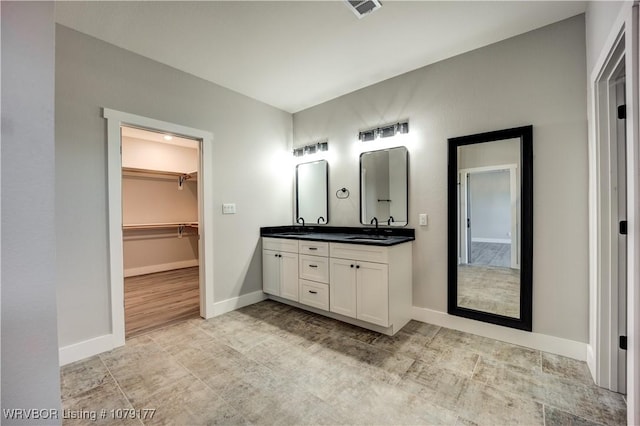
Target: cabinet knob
x,y
352,266
357,266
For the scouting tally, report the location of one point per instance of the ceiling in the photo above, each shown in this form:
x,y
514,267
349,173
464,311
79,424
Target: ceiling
x,y
297,54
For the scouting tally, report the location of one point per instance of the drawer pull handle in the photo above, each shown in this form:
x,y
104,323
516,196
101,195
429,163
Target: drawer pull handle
x,y
313,248
313,292
313,266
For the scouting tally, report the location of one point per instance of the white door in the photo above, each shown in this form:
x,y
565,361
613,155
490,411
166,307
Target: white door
x,y
373,293
342,287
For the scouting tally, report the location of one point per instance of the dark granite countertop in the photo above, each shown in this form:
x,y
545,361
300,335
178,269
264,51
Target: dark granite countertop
x,y
340,234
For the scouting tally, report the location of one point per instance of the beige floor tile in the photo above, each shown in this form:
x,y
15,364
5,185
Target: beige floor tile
x,y
82,376
517,355
566,367
105,404
490,406
556,417
271,364
589,402
408,344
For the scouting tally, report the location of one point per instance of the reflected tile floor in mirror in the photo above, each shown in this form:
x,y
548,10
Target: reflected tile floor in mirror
x,y
489,289
273,364
491,254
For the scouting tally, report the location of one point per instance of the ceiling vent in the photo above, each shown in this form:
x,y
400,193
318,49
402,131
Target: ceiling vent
x,y
363,7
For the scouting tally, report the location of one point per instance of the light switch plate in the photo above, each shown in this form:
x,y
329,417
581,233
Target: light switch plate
x,y
422,217
228,208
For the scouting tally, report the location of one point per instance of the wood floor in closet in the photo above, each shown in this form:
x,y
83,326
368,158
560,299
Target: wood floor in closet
x,y
156,300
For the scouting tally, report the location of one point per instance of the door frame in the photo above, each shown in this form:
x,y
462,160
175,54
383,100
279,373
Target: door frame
x,y
463,209
621,45
116,119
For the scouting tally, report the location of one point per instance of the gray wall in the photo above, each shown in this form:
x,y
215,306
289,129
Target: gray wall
x,y
537,78
29,368
599,17
252,168
490,205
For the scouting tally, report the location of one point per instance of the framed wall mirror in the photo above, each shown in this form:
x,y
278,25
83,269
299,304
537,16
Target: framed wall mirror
x,y
490,212
384,187
312,195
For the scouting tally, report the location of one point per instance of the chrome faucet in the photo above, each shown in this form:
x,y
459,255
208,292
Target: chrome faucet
x,y
300,219
391,220
375,220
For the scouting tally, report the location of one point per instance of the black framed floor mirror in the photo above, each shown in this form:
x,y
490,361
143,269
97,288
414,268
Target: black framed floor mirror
x,y
490,234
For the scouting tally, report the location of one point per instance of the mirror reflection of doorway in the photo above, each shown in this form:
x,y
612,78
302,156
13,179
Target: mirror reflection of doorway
x,y
489,218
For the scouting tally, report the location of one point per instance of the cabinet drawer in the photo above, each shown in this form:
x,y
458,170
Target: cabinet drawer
x,y
314,248
280,244
359,252
314,268
314,294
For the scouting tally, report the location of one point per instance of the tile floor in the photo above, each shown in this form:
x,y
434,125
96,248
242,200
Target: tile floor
x,y
273,364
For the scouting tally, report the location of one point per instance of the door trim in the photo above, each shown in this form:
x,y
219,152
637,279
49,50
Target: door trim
x,y
606,217
601,313
116,119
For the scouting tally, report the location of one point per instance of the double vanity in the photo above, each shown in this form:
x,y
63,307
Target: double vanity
x,y
362,276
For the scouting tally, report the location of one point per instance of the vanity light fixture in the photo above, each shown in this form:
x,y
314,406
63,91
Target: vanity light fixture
x,y
311,148
167,137
384,131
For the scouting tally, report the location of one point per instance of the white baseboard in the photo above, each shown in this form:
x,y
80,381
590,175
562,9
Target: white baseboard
x,y
491,240
543,342
234,303
85,349
591,363
150,269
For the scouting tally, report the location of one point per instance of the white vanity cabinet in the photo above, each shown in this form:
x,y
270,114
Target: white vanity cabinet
x,y
366,285
314,274
360,290
371,283
280,267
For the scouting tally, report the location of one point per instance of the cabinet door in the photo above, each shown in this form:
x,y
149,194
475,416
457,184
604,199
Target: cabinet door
x,y
271,272
373,293
342,287
289,276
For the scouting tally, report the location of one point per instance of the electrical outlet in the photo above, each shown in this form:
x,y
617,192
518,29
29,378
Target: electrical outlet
x,y
228,208
423,219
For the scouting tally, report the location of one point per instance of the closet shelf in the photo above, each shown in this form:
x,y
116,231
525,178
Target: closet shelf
x,y
167,225
133,171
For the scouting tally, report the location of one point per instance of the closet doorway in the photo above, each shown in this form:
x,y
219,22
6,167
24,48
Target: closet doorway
x,y
160,229
115,121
